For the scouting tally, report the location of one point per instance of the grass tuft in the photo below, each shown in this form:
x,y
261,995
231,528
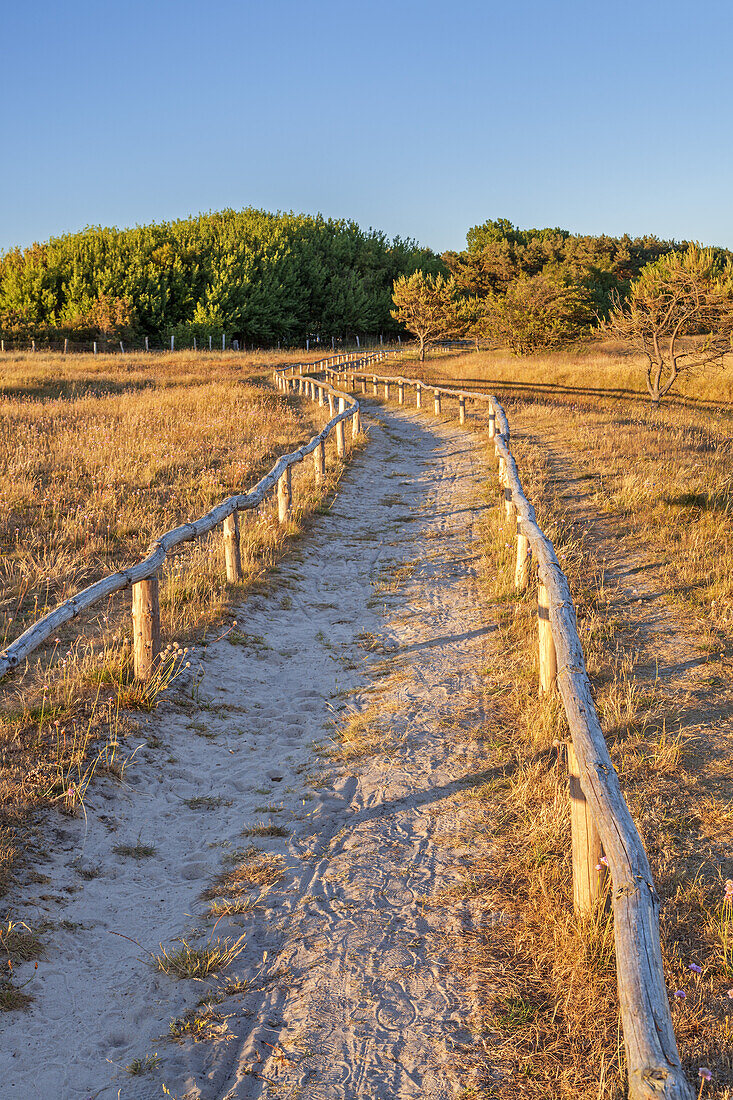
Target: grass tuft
x,y
197,963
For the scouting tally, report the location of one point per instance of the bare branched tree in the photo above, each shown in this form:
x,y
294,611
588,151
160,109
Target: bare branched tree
x,y
679,314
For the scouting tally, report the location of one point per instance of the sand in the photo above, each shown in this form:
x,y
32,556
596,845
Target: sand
x,y
342,988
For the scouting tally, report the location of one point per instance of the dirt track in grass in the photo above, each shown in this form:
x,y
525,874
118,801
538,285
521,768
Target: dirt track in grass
x,y
305,791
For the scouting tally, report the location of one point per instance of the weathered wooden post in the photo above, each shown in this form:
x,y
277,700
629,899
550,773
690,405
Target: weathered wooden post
x,y
341,431
319,462
331,406
400,393
588,880
321,396
461,410
284,496
502,468
548,657
386,391
492,424
355,424
509,507
363,384
436,395
66,344
418,396
145,626
232,554
375,385
524,559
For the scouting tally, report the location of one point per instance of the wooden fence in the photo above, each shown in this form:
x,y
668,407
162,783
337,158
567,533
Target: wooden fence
x,y
143,577
600,819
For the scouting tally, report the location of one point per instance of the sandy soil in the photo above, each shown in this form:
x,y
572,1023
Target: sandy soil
x,y
341,989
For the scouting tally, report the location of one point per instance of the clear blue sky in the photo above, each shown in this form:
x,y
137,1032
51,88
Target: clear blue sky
x,y
418,118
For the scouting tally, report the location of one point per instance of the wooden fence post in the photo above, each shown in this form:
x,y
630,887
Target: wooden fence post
x,y
232,554
492,424
321,396
355,424
341,431
436,395
509,508
331,406
418,396
588,881
319,462
502,470
461,410
375,385
284,496
400,393
363,385
386,391
548,657
524,558
145,626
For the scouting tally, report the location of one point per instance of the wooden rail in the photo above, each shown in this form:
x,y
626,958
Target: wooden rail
x,y
600,819
599,814
143,577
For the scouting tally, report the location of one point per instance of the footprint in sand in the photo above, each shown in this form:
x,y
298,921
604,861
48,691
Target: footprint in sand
x,y
396,894
395,1011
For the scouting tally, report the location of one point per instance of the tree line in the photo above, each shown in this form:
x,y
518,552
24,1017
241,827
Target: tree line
x,y
670,301
256,276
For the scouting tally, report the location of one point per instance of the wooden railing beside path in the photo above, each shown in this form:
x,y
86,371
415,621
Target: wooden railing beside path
x,y
600,819
143,576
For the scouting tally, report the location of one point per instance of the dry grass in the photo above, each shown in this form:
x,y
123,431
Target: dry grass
x,y
361,734
97,457
586,372
197,963
253,869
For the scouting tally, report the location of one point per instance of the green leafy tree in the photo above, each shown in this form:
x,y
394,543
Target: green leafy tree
x,y
257,276
537,311
426,305
498,253
678,314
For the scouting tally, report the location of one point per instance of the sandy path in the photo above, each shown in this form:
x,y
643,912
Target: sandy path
x,y
342,989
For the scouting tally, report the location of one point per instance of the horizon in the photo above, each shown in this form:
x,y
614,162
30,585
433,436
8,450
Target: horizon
x,y
414,121
343,218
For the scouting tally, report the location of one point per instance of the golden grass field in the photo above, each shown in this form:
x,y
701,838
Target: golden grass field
x,y
98,456
639,502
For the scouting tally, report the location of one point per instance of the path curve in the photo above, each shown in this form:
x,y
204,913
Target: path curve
x,y
342,989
